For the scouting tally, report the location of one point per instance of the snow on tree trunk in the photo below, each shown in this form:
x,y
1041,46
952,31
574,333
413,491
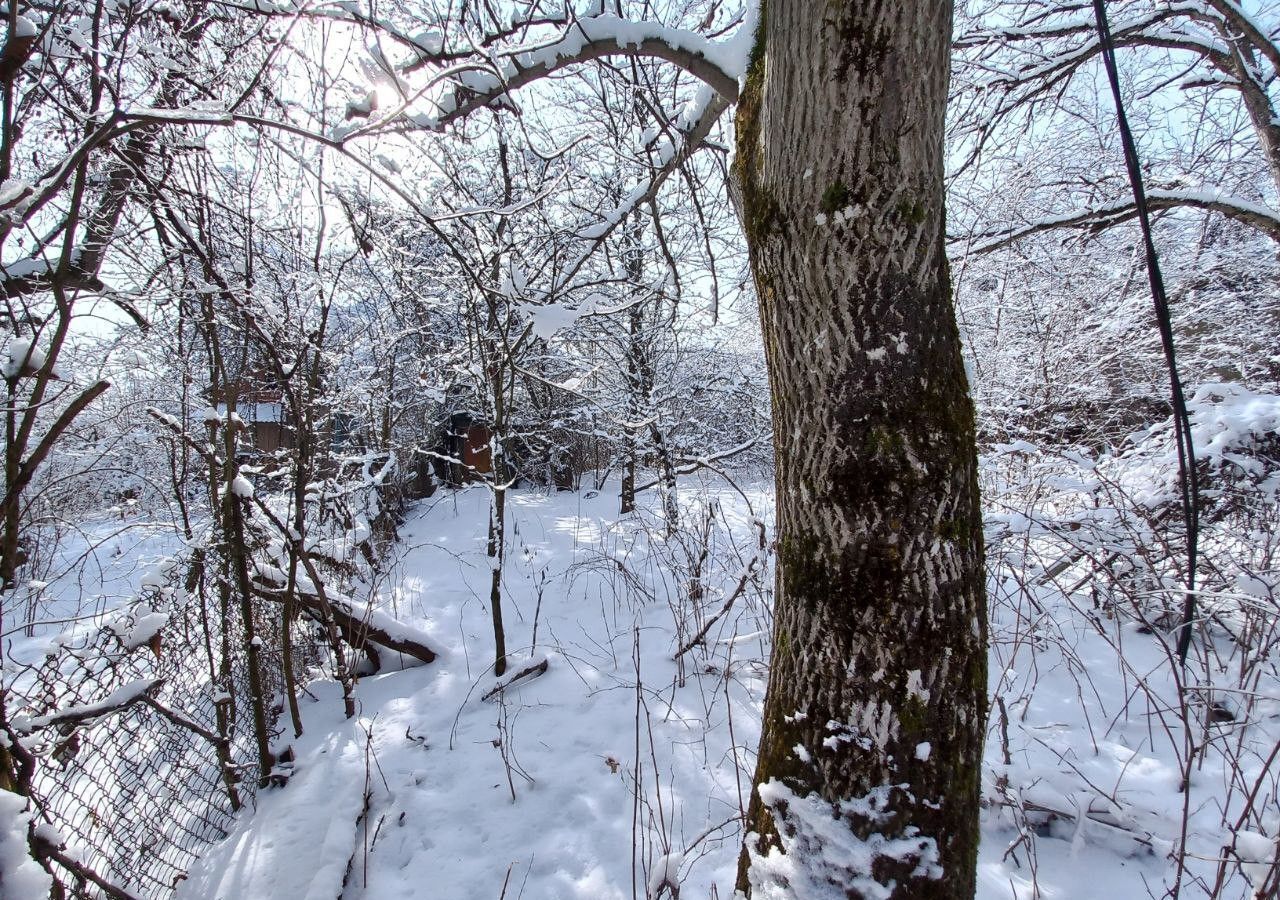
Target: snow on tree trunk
x,y
868,774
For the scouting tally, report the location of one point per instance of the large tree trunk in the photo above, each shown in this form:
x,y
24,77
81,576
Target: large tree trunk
x,y
868,773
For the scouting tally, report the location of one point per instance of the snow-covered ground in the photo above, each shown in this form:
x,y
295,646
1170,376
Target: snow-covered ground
x,y
611,769
619,771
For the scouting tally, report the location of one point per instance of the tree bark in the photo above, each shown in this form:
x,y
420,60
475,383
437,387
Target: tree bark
x,y
869,765
1255,98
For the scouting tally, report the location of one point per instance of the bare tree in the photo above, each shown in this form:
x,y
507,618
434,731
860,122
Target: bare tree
x,y
1020,63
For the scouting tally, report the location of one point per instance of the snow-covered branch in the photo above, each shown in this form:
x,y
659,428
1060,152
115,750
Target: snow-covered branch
x,y
487,80
121,698
688,467
1098,218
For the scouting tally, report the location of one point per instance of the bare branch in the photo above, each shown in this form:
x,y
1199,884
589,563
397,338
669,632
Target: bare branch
x,y
1101,217
27,470
703,462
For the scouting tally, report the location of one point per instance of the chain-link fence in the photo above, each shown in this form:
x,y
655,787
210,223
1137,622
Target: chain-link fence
x,y
135,741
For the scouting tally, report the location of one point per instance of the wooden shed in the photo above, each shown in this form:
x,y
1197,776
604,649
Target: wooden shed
x,y
468,444
262,409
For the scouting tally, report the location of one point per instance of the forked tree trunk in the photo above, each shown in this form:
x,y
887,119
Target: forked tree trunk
x,y
868,772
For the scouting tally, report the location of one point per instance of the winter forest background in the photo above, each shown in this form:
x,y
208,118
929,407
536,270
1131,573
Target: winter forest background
x,y
389,502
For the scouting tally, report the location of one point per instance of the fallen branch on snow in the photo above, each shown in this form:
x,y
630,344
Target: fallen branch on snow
x,y
533,670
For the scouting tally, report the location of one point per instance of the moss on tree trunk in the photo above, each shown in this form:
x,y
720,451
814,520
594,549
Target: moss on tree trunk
x,y
877,694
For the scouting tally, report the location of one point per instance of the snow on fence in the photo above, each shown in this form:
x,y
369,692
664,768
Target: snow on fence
x,y
134,742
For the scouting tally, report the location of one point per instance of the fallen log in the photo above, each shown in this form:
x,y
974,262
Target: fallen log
x,y
362,627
